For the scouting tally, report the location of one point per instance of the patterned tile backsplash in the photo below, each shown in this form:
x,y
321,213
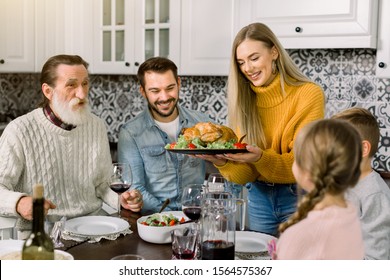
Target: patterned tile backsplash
x,y
346,75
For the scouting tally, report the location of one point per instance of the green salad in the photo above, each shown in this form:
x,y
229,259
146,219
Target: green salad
x,y
196,143
162,220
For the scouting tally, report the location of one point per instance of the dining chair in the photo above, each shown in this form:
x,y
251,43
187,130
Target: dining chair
x,y
7,228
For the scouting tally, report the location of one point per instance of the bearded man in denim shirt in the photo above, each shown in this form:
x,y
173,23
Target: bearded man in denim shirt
x,y
157,173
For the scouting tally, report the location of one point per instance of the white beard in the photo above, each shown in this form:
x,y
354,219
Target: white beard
x,y
68,112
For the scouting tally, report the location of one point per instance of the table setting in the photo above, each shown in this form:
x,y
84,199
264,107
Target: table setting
x,y
95,228
211,216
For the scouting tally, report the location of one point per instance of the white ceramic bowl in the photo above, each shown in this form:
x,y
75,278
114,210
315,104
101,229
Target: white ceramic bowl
x,y
12,250
159,235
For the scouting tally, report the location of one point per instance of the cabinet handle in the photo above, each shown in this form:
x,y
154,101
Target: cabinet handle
x,y
127,64
136,64
382,65
2,61
298,29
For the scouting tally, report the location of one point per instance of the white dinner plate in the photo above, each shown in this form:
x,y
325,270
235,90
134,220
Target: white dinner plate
x,y
11,250
252,242
95,225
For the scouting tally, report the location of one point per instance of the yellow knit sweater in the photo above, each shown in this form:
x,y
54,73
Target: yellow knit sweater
x,y
282,117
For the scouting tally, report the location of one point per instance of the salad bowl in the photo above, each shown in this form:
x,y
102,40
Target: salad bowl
x,y
157,228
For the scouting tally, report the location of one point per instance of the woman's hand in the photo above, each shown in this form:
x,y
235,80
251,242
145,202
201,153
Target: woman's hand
x,y
253,155
132,200
212,158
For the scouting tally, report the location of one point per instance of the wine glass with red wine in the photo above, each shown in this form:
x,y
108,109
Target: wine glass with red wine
x,y
191,204
121,178
191,200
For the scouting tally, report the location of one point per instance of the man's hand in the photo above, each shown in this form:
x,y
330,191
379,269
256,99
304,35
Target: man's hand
x,y
25,205
132,200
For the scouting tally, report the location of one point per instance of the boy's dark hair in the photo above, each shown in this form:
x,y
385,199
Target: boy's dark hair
x,y
365,123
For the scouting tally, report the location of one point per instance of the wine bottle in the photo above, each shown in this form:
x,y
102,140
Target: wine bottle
x,y
38,246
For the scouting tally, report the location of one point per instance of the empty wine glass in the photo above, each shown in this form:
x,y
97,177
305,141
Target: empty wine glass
x,y
216,183
121,179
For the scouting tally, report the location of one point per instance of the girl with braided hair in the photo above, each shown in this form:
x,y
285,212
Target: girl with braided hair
x,y
325,226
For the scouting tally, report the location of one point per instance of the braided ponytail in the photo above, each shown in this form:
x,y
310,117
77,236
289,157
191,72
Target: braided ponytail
x,y
330,152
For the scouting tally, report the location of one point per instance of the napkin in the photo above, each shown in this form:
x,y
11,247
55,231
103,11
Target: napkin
x,y
66,235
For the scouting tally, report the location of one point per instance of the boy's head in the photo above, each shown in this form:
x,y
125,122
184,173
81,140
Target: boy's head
x,y
365,123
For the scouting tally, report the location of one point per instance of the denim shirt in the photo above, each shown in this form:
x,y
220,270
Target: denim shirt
x,y
157,173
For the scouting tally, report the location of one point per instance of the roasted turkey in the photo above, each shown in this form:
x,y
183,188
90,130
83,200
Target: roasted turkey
x,y
209,132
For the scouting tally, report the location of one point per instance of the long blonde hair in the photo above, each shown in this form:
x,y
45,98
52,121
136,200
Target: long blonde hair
x,y
330,151
242,110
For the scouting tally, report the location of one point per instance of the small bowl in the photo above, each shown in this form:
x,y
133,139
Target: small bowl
x,y
159,235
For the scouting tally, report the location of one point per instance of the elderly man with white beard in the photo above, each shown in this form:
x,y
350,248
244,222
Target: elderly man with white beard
x,y
61,145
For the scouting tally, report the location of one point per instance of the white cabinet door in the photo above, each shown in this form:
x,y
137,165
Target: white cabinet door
x,y
207,33
316,24
383,49
63,27
113,36
126,32
17,47
157,29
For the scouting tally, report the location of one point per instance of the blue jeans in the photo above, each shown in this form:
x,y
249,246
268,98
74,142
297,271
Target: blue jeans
x,y
269,205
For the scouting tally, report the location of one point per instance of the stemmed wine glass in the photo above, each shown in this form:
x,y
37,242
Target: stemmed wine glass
x,y
121,179
216,183
191,201
191,204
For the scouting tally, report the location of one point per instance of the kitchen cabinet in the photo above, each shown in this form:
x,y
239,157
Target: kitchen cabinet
x,y
207,33
63,27
383,48
126,32
17,47
316,24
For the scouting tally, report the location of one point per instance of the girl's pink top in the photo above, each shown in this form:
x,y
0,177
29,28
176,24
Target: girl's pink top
x,y
333,233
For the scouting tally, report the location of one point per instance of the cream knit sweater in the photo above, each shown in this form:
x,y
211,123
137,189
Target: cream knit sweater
x,y
73,166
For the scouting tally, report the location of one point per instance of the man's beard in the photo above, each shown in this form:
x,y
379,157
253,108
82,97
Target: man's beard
x,y
68,112
155,109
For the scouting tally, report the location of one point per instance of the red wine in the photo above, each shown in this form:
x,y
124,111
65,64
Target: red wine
x,y
185,255
119,187
192,212
217,250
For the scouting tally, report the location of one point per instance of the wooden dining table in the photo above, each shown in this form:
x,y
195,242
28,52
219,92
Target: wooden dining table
x,y
127,244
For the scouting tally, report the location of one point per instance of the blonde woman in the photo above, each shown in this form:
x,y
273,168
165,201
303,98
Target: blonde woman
x,y
328,154
269,100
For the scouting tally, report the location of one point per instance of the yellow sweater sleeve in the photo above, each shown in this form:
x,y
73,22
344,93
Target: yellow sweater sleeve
x,y
282,121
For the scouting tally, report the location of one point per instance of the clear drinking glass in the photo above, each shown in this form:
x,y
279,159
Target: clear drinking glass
x,y
184,243
121,179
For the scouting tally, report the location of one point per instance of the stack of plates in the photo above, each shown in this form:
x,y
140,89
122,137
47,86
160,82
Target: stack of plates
x,y
95,226
251,245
